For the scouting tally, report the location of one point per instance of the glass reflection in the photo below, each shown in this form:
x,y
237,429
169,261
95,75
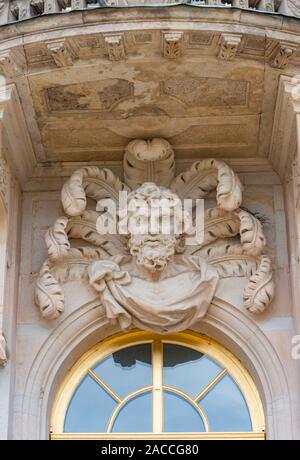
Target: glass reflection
x,y
188,370
90,408
135,416
127,370
226,408
180,415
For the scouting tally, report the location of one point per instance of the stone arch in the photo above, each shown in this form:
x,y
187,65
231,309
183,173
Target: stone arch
x,y
86,326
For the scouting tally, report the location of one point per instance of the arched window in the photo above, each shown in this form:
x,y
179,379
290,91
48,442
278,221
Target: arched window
x,y
142,385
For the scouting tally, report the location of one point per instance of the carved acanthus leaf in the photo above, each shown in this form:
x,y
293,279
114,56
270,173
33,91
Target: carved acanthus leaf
x,y
48,294
235,268
149,161
259,292
83,254
227,257
252,237
220,249
207,175
219,223
84,227
57,241
89,182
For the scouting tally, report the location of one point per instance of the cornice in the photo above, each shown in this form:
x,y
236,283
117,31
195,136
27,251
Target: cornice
x,y
225,34
147,17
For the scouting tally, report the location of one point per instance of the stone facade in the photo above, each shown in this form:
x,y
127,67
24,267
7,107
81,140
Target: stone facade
x,y
77,91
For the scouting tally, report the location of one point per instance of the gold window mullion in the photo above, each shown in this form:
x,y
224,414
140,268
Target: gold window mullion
x,y
157,382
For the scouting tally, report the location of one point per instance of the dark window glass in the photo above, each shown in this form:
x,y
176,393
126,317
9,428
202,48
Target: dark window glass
x,y
188,370
127,370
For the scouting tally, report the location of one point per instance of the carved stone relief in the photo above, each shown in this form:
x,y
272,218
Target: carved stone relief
x,y
172,44
12,63
115,47
210,92
284,52
88,97
229,46
62,52
135,274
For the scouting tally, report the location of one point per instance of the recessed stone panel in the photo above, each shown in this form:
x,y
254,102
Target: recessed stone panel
x,y
206,92
100,96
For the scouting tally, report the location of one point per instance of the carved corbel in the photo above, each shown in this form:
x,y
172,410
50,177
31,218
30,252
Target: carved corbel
x,y
78,4
115,47
172,44
12,63
282,55
240,3
27,8
4,12
229,45
37,6
266,5
62,52
51,6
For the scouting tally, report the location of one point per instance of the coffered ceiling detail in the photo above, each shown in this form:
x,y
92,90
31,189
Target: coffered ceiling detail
x,y
209,89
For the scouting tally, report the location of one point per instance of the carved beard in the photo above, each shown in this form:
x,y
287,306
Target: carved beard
x,y
152,251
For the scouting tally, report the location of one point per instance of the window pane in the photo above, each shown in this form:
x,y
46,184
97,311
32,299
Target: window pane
x,y
188,370
135,416
226,408
180,415
89,409
127,370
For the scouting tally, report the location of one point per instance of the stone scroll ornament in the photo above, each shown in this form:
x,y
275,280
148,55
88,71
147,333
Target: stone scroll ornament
x,y
154,281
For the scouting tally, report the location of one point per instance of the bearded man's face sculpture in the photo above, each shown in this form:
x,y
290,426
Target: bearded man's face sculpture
x,y
156,225
168,292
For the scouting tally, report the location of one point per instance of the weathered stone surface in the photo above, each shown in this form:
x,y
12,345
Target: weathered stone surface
x,y
79,112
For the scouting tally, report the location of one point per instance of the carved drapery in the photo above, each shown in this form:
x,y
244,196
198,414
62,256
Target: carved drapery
x,y
121,267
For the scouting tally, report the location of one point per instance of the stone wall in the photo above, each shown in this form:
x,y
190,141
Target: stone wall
x,y
263,193
48,130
